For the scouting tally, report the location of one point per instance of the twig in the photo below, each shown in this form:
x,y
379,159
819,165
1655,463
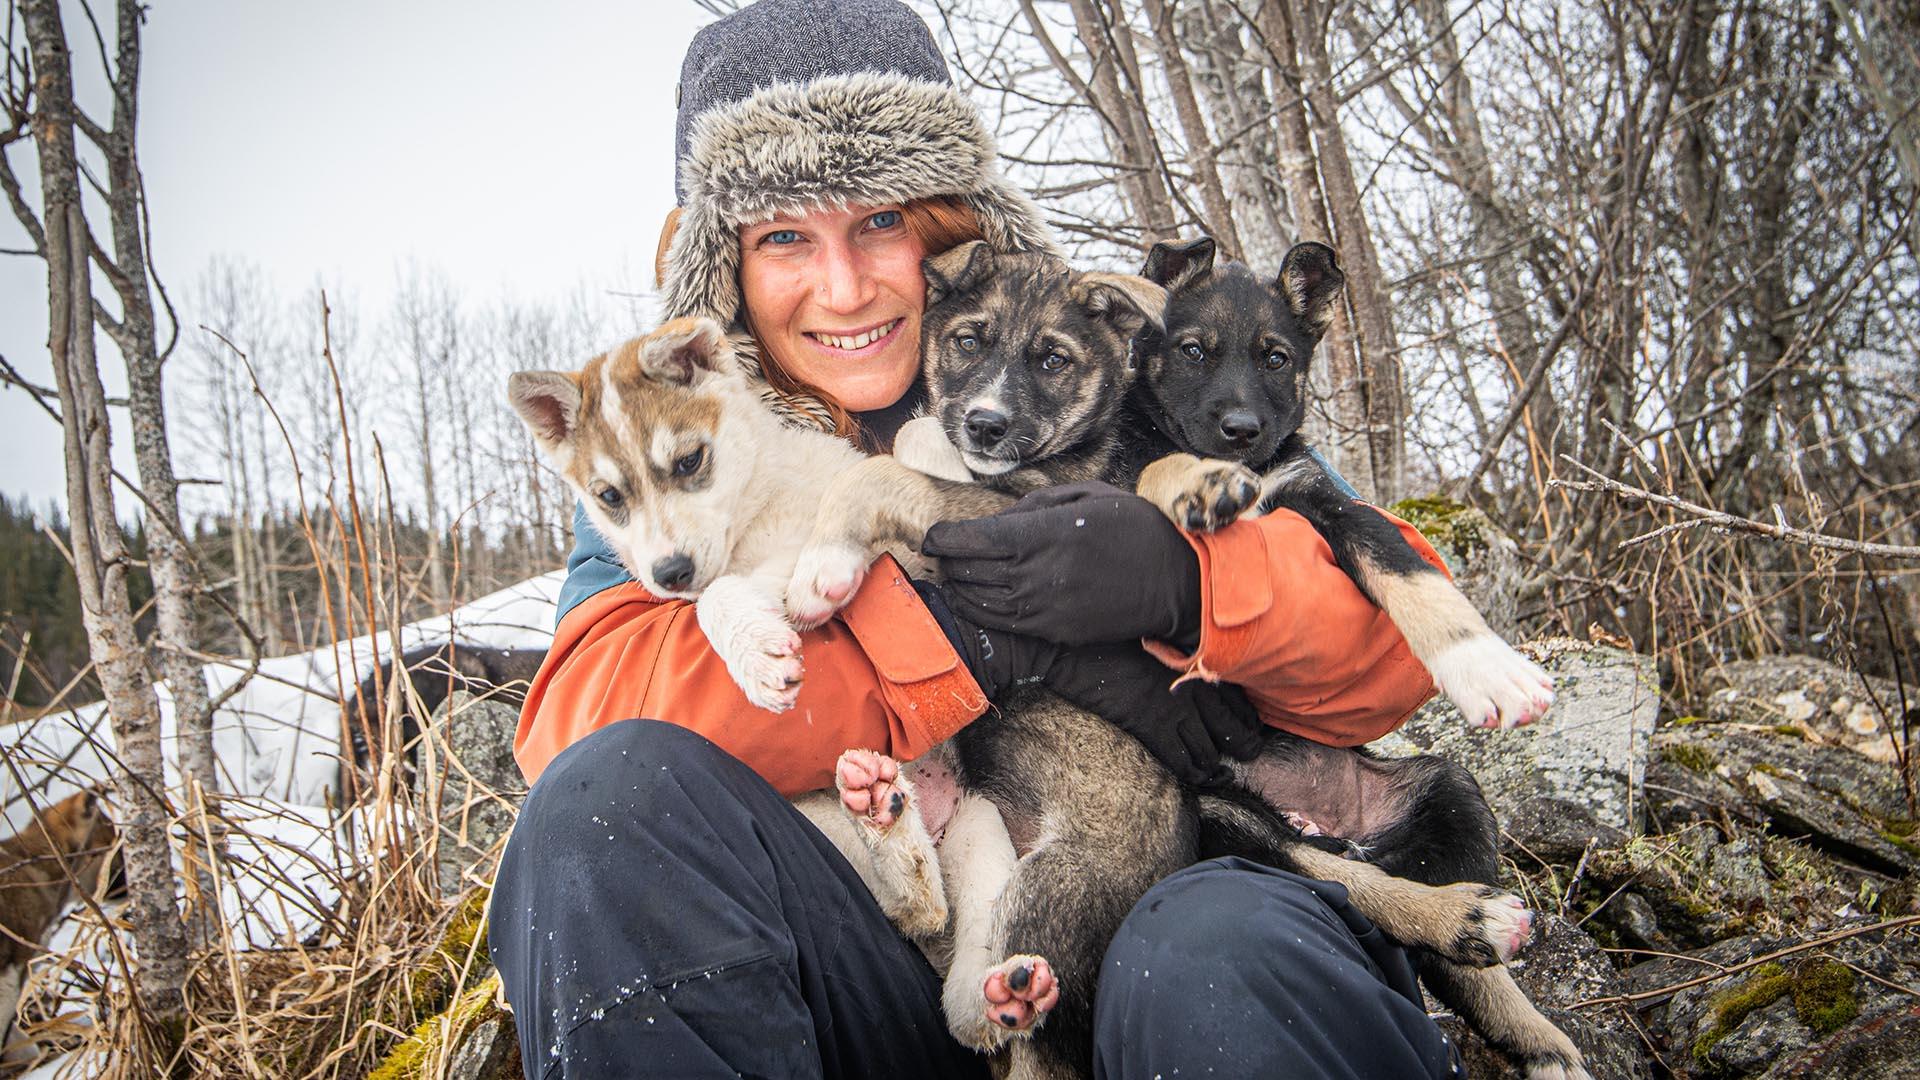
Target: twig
x,y
1668,991
1718,520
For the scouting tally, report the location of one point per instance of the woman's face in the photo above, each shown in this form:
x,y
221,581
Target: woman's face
x,y
835,296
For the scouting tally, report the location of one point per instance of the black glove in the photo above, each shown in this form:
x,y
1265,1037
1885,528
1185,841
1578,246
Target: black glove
x,y
1077,564
1188,729
997,659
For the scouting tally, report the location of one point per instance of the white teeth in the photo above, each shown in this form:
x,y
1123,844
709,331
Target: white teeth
x,y
858,341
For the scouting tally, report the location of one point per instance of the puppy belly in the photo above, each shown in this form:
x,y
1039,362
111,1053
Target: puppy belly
x,y
937,791
1337,790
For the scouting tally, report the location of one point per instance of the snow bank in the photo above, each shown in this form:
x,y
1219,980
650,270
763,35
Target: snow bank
x,y
279,737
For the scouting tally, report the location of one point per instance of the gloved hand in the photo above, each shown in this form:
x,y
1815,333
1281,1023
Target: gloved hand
x,y
1189,729
1077,564
997,659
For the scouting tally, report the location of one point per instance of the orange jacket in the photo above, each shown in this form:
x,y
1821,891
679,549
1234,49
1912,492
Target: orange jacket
x,y
1279,618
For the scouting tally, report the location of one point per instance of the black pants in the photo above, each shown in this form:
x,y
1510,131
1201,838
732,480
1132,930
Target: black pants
x,y
662,911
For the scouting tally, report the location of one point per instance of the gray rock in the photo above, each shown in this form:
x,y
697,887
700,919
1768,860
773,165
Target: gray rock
x,y
1590,750
1842,802
473,781
1809,1014
1827,702
1548,830
490,1051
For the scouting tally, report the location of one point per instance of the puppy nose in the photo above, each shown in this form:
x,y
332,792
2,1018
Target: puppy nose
x,y
986,427
673,572
1240,427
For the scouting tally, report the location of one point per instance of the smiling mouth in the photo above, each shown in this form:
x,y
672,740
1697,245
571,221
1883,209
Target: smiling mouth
x,y
867,340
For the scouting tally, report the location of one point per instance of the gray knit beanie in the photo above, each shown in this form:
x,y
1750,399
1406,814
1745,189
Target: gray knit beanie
x,y
797,41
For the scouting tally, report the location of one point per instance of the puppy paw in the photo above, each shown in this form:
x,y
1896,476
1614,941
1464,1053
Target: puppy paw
x,y
871,788
824,579
765,661
1493,686
1488,926
1019,992
1217,493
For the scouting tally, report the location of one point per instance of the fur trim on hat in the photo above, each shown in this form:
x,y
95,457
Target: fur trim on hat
x,y
862,138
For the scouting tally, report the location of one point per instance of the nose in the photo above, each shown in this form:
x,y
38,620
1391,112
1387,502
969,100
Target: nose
x,y
673,572
986,427
846,283
1240,427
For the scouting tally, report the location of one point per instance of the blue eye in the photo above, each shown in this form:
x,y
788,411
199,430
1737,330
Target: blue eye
x,y
780,236
885,219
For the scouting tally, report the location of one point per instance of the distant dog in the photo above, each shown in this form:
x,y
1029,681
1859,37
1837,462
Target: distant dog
x,y
1019,387
66,846
434,673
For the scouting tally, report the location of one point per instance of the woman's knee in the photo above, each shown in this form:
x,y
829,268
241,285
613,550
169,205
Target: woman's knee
x,y
1220,913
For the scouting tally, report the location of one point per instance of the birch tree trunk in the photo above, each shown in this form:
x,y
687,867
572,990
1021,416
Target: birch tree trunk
x,y
1348,447
100,556
1200,153
1382,381
175,575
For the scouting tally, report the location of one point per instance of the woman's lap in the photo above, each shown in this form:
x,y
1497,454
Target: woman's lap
x,y
661,909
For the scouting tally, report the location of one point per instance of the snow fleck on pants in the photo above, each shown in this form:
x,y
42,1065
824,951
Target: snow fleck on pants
x,y
662,911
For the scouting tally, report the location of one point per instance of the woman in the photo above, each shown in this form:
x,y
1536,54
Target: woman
x,y
661,909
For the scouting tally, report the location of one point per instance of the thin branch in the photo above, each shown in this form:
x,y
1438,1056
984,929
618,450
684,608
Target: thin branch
x,y
1704,517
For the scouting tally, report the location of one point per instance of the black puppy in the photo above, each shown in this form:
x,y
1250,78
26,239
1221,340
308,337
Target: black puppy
x,y
1213,423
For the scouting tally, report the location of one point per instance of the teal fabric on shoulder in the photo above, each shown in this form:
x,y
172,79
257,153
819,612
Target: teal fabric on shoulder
x,y
1338,480
591,566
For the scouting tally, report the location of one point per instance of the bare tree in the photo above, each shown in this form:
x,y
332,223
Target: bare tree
x,y
101,561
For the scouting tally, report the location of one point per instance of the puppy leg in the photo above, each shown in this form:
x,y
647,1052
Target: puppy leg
x,y
877,502
746,622
877,795
1493,685
1469,923
978,860
1199,494
1493,1004
923,446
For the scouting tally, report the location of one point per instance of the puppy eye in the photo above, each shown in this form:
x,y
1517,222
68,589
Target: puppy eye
x,y
968,343
1276,358
1192,351
610,497
689,464
1055,361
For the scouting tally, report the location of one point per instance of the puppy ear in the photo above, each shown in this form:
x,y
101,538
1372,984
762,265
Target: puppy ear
x,y
956,270
1128,302
1311,280
548,403
1174,265
682,349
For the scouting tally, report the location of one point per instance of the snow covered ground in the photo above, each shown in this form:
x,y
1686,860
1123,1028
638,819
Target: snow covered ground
x,y
279,737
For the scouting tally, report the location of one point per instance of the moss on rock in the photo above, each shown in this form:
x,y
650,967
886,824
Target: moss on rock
x,y
1445,523
1691,757
1823,996
441,1030
1768,984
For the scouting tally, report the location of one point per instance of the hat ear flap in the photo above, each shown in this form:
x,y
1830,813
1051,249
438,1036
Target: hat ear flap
x,y
1311,281
1174,265
956,270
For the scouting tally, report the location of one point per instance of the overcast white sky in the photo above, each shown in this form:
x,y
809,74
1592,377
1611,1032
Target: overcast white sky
x,y
522,148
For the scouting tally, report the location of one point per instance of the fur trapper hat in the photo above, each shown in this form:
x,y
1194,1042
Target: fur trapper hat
x,y
840,137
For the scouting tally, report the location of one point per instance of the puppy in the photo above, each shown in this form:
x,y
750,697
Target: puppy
x,y
64,847
1212,424
1027,364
